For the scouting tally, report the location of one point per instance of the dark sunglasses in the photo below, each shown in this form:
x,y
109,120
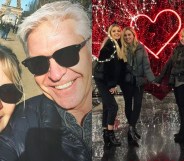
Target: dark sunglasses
x,y
10,94
66,57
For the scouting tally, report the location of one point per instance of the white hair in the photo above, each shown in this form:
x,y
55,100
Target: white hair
x,y
56,12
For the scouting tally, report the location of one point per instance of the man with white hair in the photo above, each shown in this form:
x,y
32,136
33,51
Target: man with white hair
x,y
57,124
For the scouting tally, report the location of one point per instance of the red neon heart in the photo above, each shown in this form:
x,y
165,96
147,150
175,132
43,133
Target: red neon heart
x,y
154,36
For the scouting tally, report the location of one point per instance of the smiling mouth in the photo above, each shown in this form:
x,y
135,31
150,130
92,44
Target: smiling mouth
x,y
64,86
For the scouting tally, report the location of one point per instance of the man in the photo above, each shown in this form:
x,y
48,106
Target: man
x,y
56,125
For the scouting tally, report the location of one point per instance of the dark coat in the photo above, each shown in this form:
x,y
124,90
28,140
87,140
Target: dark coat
x,y
36,132
141,67
174,66
114,69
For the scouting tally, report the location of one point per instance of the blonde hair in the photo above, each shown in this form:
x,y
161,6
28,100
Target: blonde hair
x,y
118,50
181,32
10,66
124,44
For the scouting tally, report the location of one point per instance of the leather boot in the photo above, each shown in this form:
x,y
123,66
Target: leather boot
x,y
177,135
179,139
112,139
132,140
106,137
136,134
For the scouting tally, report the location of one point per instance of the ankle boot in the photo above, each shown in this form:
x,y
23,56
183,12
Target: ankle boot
x,y
112,139
179,139
136,134
106,137
132,140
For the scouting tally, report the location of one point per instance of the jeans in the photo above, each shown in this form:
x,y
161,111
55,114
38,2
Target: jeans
x,y
133,101
110,106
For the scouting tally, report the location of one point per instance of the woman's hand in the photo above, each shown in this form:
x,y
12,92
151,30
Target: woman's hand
x,y
155,83
113,90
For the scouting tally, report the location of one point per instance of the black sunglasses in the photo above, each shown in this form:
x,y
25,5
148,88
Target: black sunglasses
x,y
66,57
10,94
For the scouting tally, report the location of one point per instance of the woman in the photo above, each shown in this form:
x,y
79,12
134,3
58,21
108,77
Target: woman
x,y
113,64
10,84
137,70
174,68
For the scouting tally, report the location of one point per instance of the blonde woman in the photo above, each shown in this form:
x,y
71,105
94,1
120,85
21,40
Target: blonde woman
x,y
10,84
113,72
175,69
138,69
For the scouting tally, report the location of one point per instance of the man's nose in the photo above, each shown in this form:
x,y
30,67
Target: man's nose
x,y
56,71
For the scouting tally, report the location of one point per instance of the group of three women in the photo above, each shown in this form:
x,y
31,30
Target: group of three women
x,y
126,64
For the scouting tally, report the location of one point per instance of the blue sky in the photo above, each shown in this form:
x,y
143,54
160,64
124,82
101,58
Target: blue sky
x,y
24,3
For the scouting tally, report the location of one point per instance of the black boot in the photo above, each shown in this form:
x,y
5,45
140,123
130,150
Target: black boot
x,y
179,139
110,139
136,134
177,135
113,140
132,140
106,137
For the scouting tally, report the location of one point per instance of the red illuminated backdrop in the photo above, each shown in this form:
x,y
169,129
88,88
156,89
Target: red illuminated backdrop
x,y
157,23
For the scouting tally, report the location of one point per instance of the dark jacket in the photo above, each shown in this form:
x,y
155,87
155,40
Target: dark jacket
x,y
174,66
141,66
37,132
114,69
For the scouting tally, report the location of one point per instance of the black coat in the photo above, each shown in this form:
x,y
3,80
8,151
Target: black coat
x,y
36,133
114,70
174,66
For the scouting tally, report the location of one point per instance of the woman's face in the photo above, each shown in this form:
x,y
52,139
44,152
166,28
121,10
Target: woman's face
x,y
181,37
6,109
128,37
116,32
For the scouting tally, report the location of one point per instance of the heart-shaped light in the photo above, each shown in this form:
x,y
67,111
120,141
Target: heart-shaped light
x,y
153,21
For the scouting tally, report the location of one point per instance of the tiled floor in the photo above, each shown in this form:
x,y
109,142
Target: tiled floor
x,y
157,125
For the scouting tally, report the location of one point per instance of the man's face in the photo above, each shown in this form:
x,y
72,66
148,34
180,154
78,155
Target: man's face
x,y
68,87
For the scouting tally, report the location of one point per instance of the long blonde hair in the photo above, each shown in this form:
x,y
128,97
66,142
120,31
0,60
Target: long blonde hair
x,y
10,66
118,50
124,44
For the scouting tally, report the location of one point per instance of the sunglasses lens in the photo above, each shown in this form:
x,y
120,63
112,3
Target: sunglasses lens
x,y
10,94
67,57
37,65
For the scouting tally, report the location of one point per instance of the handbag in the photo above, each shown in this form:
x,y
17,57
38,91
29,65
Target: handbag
x,y
98,71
